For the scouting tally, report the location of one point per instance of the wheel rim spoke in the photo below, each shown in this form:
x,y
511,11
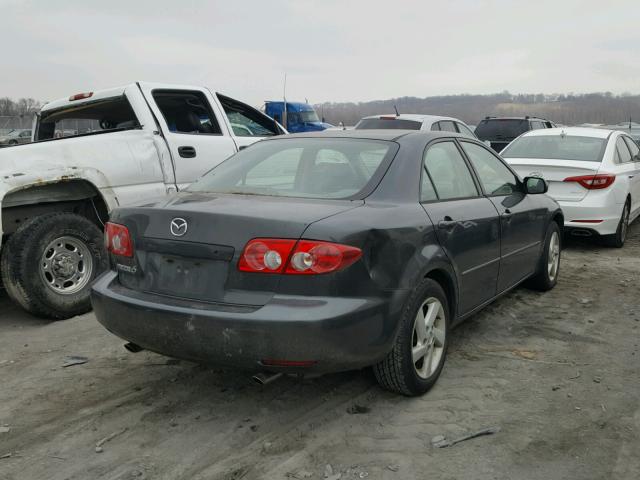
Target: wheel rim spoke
x,y
66,265
429,337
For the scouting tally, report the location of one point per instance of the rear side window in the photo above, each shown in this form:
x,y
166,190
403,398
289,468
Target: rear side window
x,y
387,123
186,112
447,126
301,167
623,155
496,129
90,117
633,147
435,127
464,130
495,177
449,172
557,147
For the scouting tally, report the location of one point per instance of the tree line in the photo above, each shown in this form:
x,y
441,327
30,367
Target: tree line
x,y
567,109
17,108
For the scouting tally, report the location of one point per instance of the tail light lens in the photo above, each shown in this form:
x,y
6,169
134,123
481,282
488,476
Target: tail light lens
x,y
304,257
80,96
593,182
118,240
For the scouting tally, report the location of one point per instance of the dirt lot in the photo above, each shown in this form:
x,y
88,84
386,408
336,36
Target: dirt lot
x,y
557,372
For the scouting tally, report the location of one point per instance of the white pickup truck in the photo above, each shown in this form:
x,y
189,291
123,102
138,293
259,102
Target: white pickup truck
x,y
92,152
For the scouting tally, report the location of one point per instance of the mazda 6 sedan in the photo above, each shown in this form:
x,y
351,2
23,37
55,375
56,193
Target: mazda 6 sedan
x,y
324,252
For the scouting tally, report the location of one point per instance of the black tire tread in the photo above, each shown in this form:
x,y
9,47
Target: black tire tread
x,y
390,371
12,265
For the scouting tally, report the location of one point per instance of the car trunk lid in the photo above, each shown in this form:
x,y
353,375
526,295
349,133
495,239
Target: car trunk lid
x,y
555,172
189,246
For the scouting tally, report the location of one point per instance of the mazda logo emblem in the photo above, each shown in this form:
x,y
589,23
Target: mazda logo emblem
x,y
178,227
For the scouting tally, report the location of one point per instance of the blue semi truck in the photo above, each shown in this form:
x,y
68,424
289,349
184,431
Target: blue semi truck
x,y
301,117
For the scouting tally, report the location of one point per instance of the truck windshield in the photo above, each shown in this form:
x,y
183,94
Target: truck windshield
x,y
90,117
309,116
557,147
301,167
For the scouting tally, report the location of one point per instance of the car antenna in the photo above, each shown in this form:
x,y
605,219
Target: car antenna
x,y
396,109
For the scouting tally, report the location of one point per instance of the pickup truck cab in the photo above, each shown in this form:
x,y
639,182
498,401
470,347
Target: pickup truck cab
x,y
91,153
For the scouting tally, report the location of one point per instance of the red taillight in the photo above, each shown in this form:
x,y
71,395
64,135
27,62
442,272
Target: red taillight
x,y
118,240
80,96
305,257
266,255
311,257
593,182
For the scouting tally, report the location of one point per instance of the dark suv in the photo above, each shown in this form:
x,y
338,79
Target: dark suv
x,y
500,131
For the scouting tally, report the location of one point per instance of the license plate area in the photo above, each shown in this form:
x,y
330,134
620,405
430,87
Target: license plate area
x,y
198,279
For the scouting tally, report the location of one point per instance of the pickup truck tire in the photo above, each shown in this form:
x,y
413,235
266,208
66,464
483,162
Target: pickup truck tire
x,y
49,263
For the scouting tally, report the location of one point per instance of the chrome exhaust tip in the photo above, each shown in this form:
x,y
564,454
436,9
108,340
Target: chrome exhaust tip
x,y
265,378
133,348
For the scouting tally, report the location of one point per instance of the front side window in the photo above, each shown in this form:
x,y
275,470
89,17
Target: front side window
x,y
449,172
301,167
89,117
623,154
186,112
557,147
495,177
246,121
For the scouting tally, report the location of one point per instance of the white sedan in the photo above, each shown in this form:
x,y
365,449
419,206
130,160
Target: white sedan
x,y
594,174
410,121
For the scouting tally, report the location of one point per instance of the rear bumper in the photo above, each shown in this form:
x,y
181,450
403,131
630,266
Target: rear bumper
x,y
609,216
336,333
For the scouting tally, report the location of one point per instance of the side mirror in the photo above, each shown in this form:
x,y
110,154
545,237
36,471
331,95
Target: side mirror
x,y
535,185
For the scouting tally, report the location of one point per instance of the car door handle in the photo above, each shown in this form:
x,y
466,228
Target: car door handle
x,y
447,223
507,214
187,152
631,176
242,147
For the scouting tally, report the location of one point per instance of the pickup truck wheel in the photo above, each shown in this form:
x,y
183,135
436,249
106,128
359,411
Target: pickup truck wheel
x,y
48,264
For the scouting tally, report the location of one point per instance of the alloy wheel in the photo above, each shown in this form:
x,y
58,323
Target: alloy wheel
x,y
429,332
553,257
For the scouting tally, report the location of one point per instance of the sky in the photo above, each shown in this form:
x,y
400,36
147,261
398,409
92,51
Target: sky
x,y
330,50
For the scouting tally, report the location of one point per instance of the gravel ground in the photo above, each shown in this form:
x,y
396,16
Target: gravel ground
x,y
556,372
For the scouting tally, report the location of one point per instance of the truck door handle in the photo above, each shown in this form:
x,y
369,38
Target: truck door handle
x,y
447,223
187,152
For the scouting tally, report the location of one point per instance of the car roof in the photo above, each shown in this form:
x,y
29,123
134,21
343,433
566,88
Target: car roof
x,y
516,118
417,117
386,134
571,131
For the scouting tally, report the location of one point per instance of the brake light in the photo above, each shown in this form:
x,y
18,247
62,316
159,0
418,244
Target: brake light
x,y
117,239
291,257
311,257
593,182
388,117
80,96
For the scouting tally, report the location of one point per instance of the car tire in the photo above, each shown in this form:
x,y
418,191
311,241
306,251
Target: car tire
x,y
49,263
617,239
548,269
398,372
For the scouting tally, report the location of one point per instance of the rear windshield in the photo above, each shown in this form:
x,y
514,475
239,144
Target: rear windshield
x,y
89,117
301,167
557,147
387,124
495,129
